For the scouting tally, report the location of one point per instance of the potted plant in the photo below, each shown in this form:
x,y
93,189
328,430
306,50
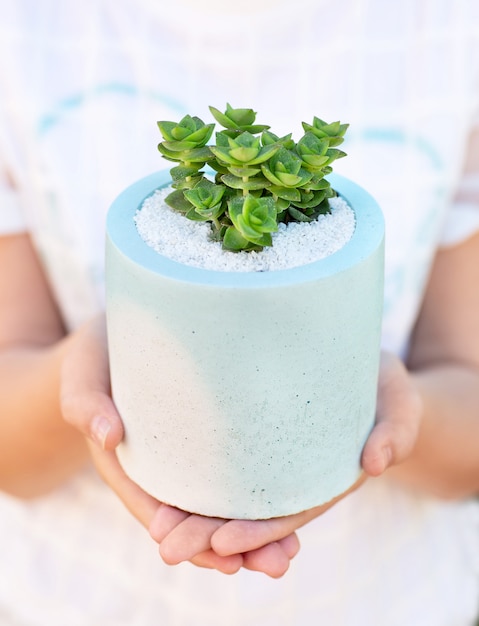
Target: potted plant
x,y
245,394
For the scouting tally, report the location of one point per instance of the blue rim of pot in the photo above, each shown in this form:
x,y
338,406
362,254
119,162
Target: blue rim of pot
x,y
366,239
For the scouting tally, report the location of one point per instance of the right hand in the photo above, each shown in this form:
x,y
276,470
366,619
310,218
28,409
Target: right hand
x,y
86,404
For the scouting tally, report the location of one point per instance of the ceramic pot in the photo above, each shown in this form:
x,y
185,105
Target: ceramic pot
x,y
244,395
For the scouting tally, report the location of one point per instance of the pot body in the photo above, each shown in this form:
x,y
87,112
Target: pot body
x,y
244,395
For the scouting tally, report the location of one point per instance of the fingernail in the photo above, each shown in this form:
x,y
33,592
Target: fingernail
x,y
99,429
388,456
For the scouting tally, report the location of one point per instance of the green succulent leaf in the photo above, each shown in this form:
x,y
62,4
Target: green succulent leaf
x,y
196,155
313,151
309,213
252,184
168,154
253,217
244,151
336,141
244,172
182,171
334,154
243,154
323,208
333,132
206,215
260,178
268,138
234,241
190,129
233,118
237,120
195,216
177,201
284,169
298,216
220,168
286,193
187,183
178,146
281,205
312,199
317,182
223,140
205,195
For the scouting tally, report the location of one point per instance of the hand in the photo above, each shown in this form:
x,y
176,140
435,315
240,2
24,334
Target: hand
x,y
87,404
398,418
226,545
266,546
391,441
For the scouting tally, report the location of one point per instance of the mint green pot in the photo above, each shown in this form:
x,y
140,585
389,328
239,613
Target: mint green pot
x,y
244,395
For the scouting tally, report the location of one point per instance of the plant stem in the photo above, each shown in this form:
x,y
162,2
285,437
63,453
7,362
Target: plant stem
x,y
245,180
187,164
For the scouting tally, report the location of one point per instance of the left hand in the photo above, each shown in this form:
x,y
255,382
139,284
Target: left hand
x,y
269,545
266,546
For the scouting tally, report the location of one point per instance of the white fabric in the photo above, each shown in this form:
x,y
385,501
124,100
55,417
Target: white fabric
x,y
76,559
463,218
461,222
81,93
12,220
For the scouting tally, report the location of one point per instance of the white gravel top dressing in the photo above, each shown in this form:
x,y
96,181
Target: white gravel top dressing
x,y
298,243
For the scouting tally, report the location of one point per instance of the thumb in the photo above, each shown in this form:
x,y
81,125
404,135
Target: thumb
x,y
398,417
85,395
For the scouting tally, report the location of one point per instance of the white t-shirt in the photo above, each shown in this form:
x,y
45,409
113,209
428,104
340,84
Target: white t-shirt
x,y
82,86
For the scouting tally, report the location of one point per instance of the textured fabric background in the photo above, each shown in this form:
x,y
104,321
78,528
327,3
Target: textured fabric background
x,y
82,86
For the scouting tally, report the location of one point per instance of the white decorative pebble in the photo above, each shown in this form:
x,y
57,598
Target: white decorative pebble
x,y
188,242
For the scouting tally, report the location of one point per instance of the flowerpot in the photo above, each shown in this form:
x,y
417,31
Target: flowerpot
x,y
244,394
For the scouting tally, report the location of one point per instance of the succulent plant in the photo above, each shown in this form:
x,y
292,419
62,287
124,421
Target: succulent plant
x,y
260,179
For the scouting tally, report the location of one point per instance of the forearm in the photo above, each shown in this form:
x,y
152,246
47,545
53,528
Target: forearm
x,y
38,450
445,460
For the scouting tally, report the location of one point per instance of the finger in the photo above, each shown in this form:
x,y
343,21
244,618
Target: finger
x,y
189,538
271,560
165,520
398,417
225,564
140,504
290,545
85,387
240,536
